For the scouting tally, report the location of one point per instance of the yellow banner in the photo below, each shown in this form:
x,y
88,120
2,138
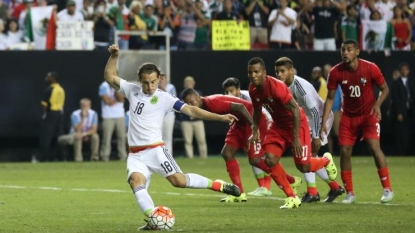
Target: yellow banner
x,y
230,35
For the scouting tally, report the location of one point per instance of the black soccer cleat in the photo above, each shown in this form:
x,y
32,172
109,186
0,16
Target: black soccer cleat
x,y
333,194
231,189
307,198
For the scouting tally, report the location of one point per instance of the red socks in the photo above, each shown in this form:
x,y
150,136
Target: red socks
x,y
384,178
232,166
280,177
317,163
267,182
347,181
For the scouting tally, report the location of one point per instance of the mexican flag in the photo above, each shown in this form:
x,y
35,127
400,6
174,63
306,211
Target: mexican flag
x,y
376,35
40,27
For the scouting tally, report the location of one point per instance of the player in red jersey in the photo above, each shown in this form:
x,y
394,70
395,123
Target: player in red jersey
x,y
237,135
289,128
361,112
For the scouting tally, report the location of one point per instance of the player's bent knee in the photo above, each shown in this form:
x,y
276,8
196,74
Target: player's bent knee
x,y
136,179
271,160
303,167
178,180
254,161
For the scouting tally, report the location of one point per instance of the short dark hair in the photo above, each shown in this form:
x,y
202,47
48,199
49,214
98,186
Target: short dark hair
x,y
256,60
349,7
284,61
148,68
53,74
231,82
352,42
403,64
188,91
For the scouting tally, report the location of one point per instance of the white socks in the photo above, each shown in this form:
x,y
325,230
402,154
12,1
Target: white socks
x,y
322,173
143,200
196,181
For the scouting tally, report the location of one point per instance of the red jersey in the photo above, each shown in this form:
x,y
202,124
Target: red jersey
x,y
273,96
221,104
357,86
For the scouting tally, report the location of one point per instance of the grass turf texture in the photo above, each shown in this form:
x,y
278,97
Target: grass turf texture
x,y
94,197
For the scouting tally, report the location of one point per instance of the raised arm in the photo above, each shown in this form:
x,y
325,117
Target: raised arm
x,y
237,107
110,72
199,113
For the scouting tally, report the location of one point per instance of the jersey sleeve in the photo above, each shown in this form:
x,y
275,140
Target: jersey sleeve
x,y
377,76
74,120
125,88
172,102
95,119
218,104
307,99
281,93
331,80
103,90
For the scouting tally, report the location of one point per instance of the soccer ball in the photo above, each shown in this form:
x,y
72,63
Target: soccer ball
x,y
161,218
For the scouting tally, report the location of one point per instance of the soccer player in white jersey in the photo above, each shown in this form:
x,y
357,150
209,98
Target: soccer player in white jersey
x,y
308,99
148,155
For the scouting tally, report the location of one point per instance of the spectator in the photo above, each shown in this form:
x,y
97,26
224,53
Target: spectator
x,y
228,13
168,23
120,15
386,7
102,25
52,118
402,28
299,35
319,82
4,41
113,119
403,111
27,4
192,126
257,12
14,34
169,118
87,10
136,23
412,20
203,28
282,22
4,11
70,14
151,25
188,25
326,14
84,126
349,24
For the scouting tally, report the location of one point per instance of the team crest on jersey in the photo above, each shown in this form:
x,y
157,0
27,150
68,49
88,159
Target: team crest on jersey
x,y
363,80
270,99
154,100
344,82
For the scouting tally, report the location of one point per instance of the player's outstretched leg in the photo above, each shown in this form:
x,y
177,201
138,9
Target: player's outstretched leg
x,y
264,183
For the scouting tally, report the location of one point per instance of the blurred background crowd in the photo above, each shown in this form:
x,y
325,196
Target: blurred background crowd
x,y
273,24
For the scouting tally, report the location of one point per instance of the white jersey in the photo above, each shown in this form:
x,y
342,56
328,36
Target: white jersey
x,y
308,99
147,113
245,96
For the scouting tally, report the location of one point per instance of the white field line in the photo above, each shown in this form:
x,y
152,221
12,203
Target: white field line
x,y
173,194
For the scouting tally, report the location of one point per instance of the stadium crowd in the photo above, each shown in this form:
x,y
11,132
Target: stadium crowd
x,y
274,24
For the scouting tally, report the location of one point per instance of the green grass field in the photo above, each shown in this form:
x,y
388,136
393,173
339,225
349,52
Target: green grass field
x,y
94,197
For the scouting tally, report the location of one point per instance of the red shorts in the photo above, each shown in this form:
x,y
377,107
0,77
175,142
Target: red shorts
x,y
277,140
238,138
350,127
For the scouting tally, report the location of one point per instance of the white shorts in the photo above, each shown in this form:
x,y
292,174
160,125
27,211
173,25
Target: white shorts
x,y
152,160
329,125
